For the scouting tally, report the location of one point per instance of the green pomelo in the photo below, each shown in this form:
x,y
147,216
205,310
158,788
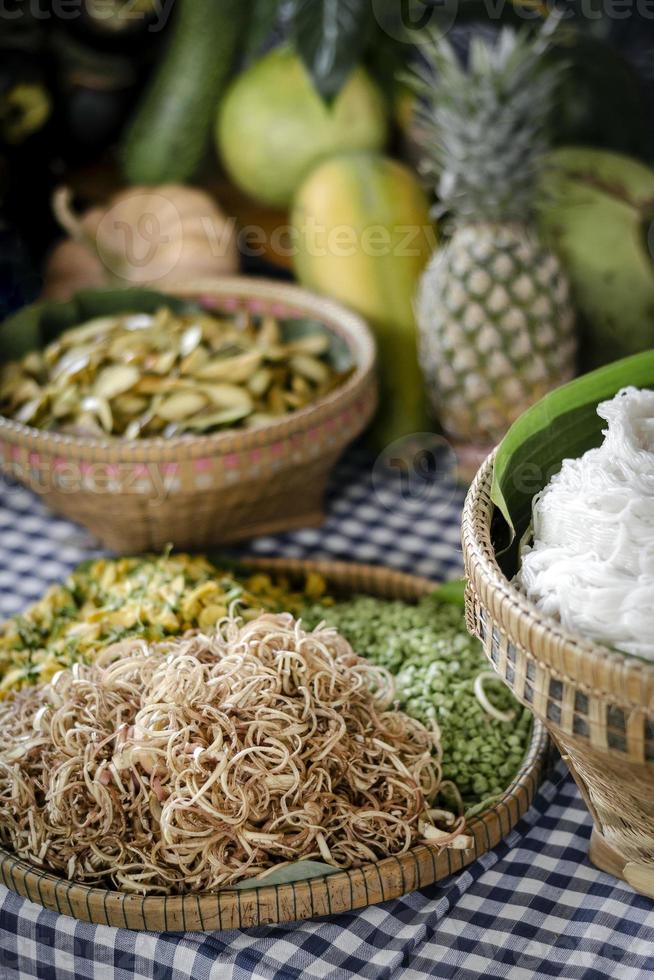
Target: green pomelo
x,y
273,127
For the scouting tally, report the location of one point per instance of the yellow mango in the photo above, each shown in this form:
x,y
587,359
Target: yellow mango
x,y
363,235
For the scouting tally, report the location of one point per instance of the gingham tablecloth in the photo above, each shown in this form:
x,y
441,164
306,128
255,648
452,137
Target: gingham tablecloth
x,y
533,907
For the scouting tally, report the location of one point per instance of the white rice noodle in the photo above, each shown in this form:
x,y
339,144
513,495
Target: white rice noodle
x,y
591,563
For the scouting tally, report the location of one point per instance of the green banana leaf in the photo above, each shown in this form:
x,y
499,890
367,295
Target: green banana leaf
x,y
298,871
339,354
562,425
38,324
452,592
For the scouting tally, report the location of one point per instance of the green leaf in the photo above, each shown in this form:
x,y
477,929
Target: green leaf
x,y
101,302
20,333
386,54
338,354
264,15
38,324
562,425
452,592
330,36
298,871
226,563
481,807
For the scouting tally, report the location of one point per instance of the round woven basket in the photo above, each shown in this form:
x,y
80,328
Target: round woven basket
x,y
335,893
597,704
197,491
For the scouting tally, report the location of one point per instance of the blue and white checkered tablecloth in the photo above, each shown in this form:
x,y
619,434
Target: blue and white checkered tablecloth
x,y
533,907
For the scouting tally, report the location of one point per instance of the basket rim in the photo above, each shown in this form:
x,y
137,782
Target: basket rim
x,y
118,907
336,317
538,745
503,600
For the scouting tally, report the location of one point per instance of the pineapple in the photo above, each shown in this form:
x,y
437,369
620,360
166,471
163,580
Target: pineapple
x,y
496,322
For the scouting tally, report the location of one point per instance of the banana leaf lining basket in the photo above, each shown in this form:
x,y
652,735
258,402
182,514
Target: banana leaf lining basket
x,y
329,895
597,704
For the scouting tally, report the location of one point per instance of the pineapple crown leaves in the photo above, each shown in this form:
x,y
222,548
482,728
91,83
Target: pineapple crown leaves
x,y
485,125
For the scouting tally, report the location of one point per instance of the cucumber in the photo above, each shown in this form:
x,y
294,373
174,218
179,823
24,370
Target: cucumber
x,y
166,140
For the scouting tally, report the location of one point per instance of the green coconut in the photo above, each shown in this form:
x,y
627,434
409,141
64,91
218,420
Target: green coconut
x,y
597,213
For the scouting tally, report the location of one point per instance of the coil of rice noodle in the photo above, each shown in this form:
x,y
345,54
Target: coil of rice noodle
x,y
590,560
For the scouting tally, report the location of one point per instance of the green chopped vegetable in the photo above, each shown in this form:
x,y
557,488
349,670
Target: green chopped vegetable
x,y
436,663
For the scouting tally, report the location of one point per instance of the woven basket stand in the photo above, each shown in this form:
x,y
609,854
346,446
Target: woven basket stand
x,y
597,705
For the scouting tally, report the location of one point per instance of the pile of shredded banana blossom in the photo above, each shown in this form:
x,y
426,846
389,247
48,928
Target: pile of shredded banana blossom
x,y
189,765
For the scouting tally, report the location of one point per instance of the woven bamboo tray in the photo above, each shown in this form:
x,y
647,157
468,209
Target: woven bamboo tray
x,y
198,491
329,895
598,705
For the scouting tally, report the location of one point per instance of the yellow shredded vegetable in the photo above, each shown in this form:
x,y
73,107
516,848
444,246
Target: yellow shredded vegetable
x,y
109,599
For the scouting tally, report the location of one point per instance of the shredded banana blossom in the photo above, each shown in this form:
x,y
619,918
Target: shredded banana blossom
x,y
189,765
